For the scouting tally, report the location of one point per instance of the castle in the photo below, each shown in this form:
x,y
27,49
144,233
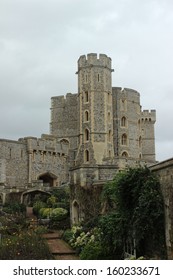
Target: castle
x,y
94,134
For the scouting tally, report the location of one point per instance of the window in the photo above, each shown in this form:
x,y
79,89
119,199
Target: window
x,y
109,136
124,139
86,96
86,135
140,142
109,117
123,122
109,97
86,116
98,77
86,156
139,124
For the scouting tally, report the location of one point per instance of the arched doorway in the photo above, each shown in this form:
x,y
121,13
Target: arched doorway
x,y
48,179
75,212
29,196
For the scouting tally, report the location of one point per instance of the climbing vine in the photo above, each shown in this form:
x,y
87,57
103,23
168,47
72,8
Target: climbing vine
x,y
134,209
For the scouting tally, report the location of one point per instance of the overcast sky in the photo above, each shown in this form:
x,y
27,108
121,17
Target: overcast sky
x,y
41,41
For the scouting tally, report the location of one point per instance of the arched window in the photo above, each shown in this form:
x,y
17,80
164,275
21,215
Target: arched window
x,y
124,154
140,142
124,139
86,116
86,156
140,155
86,134
123,121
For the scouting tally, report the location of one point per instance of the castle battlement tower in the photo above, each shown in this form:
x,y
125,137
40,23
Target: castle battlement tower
x,y
95,107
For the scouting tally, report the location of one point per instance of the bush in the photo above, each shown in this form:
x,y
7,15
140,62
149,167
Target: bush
x,y
58,214
15,207
24,246
67,235
92,251
37,206
45,213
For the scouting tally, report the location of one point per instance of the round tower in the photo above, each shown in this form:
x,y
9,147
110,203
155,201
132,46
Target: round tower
x,y
95,107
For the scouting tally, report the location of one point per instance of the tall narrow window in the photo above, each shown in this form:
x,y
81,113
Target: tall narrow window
x,y
86,116
86,97
10,153
123,122
98,77
109,136
86,134
109,97
86,156
140,142
109,117
124,139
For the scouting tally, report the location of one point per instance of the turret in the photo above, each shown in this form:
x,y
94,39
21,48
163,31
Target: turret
x,y
95,106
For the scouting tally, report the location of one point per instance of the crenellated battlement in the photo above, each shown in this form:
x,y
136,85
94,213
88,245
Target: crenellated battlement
x,y
148,115
63,100
92,59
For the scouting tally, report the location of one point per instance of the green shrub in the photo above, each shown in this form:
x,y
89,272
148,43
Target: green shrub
x,y
92,251
58,214
45,213
67,236
37,206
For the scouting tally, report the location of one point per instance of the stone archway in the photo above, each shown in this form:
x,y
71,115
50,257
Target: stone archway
x,y
75,212
28,196
48,178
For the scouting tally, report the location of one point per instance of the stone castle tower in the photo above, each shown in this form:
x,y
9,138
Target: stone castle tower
x,y
101,122
95,109
104,126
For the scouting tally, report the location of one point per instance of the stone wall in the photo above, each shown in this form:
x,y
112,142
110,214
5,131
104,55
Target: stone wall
x,y
164,170
25,160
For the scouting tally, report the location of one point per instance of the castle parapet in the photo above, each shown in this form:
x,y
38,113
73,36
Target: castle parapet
x,y
93,60
149,115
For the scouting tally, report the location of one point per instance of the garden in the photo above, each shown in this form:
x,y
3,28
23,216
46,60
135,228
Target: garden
x,y
20,238
130,224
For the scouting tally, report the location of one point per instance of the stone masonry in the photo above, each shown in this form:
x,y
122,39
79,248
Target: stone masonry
x,y
105,126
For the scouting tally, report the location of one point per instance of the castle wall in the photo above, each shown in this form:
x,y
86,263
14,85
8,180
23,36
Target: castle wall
x,y
64,118
25,160
13,163
164,170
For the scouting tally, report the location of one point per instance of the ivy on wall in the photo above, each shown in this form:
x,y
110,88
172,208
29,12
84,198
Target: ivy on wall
x,y
133,209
